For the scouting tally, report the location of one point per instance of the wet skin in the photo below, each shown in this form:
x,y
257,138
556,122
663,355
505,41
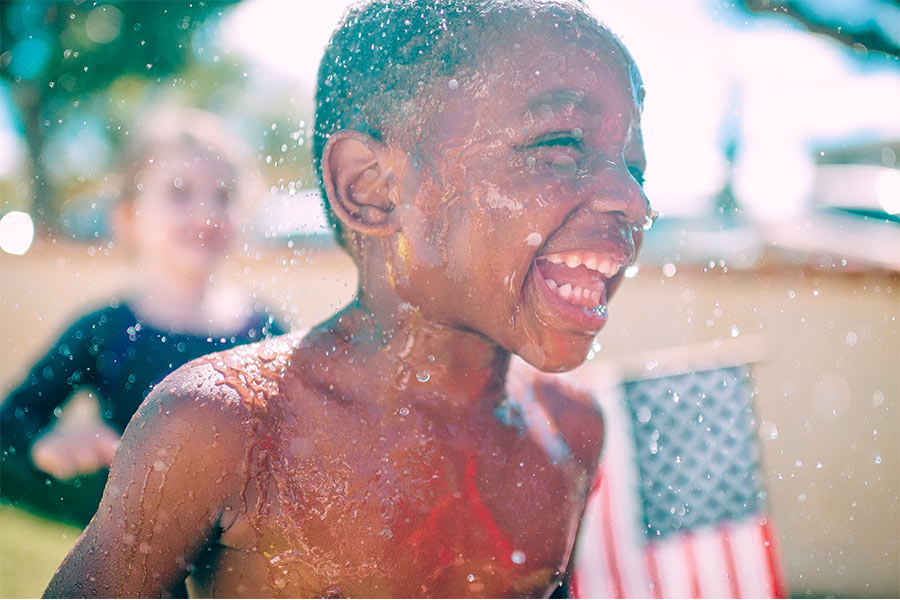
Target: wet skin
x,y
544,162
389,452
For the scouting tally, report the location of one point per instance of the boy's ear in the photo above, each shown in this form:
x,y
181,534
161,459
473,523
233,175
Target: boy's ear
x,y
358,179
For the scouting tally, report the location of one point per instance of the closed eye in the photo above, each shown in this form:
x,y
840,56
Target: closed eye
x,y
568,138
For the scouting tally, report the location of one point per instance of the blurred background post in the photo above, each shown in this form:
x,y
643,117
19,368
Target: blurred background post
x,y
772,135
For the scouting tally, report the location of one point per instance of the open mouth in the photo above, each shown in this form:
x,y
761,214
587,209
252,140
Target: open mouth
x,y
578,283
579,277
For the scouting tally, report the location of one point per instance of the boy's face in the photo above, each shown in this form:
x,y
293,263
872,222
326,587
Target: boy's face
x,y
182,212
527,209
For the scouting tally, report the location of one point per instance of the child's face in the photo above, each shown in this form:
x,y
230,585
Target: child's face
x,y
182,211
527,209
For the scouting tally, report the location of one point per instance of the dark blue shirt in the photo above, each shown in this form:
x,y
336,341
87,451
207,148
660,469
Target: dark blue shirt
x,y
114,353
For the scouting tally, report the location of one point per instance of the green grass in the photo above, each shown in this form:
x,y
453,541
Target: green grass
x,y
31,547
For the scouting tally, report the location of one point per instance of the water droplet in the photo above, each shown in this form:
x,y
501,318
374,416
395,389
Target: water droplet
x,y
470,577
643,414
735,331
768,430
877,398
423,376
801,497
518,557
564,164
534,239
832,396
453,84
403,411
850,339
669,270
877,459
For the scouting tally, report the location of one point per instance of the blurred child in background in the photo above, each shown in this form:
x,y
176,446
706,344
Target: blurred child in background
x,y
181,181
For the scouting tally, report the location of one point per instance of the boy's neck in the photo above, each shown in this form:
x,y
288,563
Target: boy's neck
x,y
414,359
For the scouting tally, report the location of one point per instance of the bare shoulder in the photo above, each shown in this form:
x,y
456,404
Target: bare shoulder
x,y
237,382
177,476
204,415
574,411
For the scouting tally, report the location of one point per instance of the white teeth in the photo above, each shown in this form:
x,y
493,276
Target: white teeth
x,y
604,264
576,293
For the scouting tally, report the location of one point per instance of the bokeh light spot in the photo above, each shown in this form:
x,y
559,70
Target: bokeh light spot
x,y
16,232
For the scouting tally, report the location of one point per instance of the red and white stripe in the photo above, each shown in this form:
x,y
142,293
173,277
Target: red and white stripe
x,y
615,559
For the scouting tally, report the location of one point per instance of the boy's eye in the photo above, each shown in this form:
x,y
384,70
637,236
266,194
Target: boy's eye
x,y
179,195
559,150
223,197
571,139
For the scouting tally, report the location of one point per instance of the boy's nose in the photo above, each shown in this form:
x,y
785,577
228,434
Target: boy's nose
x,y
614,190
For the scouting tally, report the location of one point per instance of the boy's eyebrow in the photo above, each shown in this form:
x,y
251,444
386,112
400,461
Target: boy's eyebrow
x,y
557,97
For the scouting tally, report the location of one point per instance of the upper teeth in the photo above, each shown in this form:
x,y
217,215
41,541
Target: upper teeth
x,y
601,263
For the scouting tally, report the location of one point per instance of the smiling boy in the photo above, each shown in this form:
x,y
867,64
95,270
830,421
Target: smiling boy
x,y
482,162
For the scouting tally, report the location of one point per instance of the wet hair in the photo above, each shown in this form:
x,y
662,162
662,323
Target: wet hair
x,y
384,54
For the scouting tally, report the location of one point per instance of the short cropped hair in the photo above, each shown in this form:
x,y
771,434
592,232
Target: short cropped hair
x,y
385,53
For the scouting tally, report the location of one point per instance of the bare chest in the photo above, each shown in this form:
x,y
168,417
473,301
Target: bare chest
x,y
356,514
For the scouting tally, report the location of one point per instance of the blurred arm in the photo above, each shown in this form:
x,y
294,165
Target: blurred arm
x,y
29,407
172,476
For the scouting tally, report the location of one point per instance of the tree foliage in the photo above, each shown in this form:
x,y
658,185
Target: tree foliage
x,y
862,26
56,55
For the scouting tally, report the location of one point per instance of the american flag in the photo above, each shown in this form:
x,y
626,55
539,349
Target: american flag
x,y
678,508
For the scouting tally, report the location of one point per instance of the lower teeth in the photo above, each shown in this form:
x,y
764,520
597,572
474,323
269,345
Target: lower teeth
x,y
600,311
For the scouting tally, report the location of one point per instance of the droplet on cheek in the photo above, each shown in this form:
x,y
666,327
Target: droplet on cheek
x,y
534,239
564,165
